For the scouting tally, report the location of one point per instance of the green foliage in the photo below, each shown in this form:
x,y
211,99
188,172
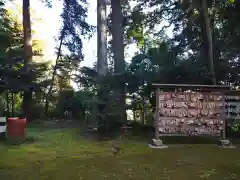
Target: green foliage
x,y
231,1
3,104
12,69
64,101
189,36
236,127
75,26
99,99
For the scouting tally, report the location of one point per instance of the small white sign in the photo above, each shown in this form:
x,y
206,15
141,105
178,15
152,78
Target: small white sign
x,y
2,129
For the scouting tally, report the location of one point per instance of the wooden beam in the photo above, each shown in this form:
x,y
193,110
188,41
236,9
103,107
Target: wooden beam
x,y
192,86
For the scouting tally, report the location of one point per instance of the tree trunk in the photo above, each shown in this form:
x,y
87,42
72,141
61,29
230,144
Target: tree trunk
x,y
143,110
102,65
210,41
118,55
27,98
142,116
54,72
134,115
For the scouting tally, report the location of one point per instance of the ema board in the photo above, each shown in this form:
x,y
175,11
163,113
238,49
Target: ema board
x,y
190,113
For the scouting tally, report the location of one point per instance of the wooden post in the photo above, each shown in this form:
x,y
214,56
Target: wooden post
x,y
157,114
223,134
12,100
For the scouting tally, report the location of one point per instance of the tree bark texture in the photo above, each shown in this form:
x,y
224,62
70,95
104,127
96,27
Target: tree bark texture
x,y
118,54
102,65
210,41
27,98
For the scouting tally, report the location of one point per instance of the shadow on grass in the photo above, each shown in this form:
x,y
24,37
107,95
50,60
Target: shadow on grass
x,y
147,138
183,139
18,141
190,140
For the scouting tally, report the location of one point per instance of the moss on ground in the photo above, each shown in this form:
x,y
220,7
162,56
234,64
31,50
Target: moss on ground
x,y
64,155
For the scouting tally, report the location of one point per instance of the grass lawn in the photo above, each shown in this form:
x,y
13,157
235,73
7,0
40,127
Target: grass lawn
x,y
64,155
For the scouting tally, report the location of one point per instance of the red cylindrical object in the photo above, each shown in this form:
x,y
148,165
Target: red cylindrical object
x,y
16,127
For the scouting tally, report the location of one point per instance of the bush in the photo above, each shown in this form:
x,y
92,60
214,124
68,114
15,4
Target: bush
x,y
233,130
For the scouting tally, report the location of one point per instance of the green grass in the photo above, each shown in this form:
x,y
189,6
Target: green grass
x,y
65,155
